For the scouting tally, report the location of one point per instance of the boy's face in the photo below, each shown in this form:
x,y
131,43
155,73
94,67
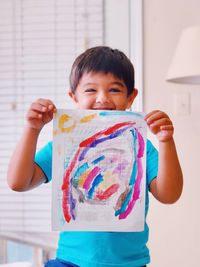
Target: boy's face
x,y
102,91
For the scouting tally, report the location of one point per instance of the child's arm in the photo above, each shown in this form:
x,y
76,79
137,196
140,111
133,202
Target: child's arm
x,y
23,174
167,187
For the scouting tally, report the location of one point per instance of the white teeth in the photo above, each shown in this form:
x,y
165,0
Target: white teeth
x,y
103,108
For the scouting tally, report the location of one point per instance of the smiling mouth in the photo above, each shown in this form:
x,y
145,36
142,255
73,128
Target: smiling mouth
x,y
103,108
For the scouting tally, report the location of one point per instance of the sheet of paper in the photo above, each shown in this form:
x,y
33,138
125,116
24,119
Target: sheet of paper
x,y
99,171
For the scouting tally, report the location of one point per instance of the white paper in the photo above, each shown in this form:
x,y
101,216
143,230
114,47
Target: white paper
x,y
99,171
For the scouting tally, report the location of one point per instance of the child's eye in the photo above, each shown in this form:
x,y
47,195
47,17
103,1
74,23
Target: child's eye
x,y
90,90
115,90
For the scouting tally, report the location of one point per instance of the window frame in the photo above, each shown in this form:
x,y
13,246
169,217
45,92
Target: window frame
x,y
136,46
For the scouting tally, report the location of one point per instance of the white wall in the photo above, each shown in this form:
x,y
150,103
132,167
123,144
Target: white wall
x,y
174,229
117,24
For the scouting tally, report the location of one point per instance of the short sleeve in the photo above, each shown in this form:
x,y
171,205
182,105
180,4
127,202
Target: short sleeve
x,y
151,162
43,159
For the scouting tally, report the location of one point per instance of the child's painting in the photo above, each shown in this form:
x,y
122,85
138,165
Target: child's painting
x,y
99,171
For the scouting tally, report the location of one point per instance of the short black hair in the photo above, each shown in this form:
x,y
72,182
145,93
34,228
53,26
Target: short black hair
x,y
106,60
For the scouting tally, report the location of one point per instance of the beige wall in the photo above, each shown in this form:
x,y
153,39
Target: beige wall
x,y
174,229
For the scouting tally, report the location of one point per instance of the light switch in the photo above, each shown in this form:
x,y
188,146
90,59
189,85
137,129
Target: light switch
x,y
182,103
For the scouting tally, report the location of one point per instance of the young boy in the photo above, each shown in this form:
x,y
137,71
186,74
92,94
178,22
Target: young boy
x,y
101,78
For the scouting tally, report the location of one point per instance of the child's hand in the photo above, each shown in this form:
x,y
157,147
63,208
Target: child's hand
x,y
40,112
160,124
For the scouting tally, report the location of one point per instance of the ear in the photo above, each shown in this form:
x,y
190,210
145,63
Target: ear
x,y
131,98
72,96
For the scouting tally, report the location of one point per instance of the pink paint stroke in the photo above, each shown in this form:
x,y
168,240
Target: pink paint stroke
x,y
136,192
91,177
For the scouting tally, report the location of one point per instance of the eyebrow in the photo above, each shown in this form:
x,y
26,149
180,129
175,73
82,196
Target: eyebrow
x,y
113,83
118,83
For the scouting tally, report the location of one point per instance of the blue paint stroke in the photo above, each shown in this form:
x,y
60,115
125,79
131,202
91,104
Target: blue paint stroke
x,y
98,179
132,177
81,169
97,160
134,170
119,112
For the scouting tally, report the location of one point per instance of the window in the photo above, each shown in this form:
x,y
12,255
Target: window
x,y
127,16
19,252
39,41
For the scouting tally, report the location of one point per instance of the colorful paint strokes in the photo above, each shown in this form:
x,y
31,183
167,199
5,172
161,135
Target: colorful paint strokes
x,y
98,170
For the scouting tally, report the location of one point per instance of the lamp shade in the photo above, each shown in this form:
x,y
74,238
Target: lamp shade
x,y
185,65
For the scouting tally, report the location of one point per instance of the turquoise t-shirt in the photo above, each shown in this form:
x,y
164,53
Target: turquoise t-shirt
x,y
104,249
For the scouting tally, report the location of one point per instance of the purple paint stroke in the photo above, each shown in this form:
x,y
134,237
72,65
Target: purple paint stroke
x,y
91,177
97,141
83,152
120,168
72,205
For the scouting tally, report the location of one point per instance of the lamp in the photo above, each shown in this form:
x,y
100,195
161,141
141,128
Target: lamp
x,y
185,65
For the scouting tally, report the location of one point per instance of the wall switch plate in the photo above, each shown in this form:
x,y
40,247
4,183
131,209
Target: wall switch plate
x,y
182,103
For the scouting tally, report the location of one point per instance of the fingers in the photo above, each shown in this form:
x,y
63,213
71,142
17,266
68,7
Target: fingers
x,y
159,121
40,112
33,114
169,127
158,118
43,105
155,115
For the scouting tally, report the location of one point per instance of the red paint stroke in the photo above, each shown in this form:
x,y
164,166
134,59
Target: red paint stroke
x,y
66,188
65,206
108,131
109,192
68,207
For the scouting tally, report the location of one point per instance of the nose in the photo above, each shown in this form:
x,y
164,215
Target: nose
x,y
102,98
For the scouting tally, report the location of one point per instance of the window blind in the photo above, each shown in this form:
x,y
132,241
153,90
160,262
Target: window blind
x,y
39,39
